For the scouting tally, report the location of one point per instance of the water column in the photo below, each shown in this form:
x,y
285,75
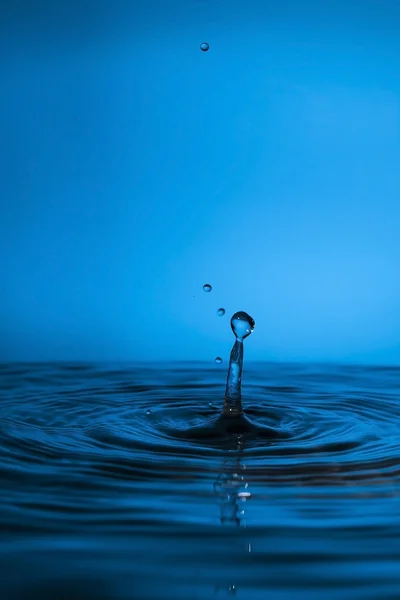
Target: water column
x,y
242,326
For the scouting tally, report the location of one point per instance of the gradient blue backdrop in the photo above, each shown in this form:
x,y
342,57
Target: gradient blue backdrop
x,y
135,168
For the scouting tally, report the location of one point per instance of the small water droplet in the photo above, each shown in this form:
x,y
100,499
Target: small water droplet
x,y
242,325
221,312
204,46
218,360
148,412
207,287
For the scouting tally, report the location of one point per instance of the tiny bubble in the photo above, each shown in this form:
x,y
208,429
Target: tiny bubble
x,y
204,46
207,287
221,312
148,412
218,360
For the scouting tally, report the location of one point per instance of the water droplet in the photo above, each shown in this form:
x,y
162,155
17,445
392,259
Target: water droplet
x,y
204,46
148,412
242,325
218,360
221,312
207,287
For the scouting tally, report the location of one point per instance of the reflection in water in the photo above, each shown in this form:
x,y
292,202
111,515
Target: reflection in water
x,y
232,492
231,488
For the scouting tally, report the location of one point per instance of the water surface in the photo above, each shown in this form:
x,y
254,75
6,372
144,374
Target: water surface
x,y
119,482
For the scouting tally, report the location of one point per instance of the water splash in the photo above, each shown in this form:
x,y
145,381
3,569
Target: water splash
x,y
242,326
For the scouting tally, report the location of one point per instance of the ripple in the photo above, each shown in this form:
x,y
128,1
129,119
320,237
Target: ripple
x,y
290,431
108,459
288,427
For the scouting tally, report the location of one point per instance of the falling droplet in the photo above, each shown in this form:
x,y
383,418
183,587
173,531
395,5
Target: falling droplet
x,y
204,46
148,412
218,360
221,312
242,325
207,287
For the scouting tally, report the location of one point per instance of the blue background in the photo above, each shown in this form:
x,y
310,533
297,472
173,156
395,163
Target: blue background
x,y
135,168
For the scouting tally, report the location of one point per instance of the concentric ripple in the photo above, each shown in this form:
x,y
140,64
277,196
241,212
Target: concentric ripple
x,y
99,460
338,424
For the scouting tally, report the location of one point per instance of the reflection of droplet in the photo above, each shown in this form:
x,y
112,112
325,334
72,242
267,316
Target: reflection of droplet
x,y
204,46
242,325
207,287
218,360
221,312
148,412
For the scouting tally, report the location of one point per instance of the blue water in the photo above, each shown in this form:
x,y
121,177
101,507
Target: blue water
x,y
102,499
